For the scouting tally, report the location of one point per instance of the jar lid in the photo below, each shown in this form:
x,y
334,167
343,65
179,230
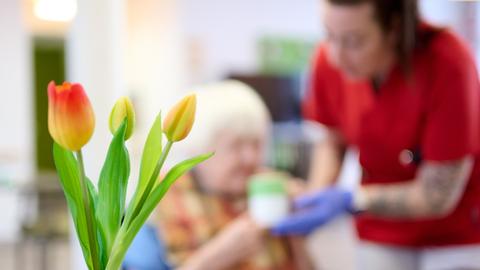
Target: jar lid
x,y
266,183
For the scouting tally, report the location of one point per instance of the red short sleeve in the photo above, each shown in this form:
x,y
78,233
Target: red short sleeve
x,y
319,102
452,121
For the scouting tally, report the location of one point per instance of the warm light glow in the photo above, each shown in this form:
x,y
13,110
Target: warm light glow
x,y
55,10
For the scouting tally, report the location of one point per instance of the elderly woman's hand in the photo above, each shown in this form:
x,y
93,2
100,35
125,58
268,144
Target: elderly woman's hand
x,y
238,240
296,187
243,237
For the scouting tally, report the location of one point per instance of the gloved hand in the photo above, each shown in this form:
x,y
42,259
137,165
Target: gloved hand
x,y
314,210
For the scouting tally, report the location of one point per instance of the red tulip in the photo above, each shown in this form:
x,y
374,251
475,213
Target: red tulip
x,y
71,120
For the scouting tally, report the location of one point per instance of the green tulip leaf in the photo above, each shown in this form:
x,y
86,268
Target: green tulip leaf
x,y
92,192
112,188
69,175
127,234
150,157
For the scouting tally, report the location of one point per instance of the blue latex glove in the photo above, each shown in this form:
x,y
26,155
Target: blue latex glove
x,y
314,210
146,251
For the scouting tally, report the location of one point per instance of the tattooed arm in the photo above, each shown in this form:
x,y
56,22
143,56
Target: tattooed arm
x,y
434,192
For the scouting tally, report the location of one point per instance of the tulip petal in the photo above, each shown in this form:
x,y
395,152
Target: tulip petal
x,y
180,119
71,120
122,109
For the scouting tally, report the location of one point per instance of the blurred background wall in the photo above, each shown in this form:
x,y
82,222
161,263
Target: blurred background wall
x,y
153,51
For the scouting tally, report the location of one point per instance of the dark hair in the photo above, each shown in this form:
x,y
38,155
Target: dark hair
x,y
400,16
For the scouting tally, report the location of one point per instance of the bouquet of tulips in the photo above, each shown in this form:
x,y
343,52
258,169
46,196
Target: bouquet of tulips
x,y
104,225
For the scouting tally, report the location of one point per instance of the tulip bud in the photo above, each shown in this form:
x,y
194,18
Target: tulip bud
x,y
123,109
71,120
180,118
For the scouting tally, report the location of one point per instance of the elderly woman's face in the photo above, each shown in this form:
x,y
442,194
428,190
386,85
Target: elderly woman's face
x,y
356,43
237,157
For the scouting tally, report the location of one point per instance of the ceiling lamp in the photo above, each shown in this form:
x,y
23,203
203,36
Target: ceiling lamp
x,y
55,10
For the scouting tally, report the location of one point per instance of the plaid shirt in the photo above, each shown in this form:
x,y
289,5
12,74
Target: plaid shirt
x,y
189,218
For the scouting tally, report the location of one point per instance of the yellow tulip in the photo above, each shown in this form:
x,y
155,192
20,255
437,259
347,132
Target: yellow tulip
x,y
122,108
71,120
180,118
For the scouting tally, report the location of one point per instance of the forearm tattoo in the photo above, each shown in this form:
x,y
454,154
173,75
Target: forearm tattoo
x,y
391,203
435,191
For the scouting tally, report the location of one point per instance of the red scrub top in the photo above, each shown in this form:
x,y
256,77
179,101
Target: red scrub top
x,y
434,115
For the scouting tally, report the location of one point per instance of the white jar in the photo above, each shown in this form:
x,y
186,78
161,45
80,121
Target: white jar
x,y
267,198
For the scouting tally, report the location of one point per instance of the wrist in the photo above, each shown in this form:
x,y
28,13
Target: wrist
x,y
209,256
359,200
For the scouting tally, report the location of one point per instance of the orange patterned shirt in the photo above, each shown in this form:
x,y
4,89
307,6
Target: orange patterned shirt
x,y
188,218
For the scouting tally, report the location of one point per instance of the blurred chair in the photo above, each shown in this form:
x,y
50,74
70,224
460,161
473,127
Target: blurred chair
x,y
44,217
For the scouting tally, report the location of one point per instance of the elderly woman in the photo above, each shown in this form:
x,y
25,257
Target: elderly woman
x,y
203,220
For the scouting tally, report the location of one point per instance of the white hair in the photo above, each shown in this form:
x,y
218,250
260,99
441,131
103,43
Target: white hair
x,y
230,105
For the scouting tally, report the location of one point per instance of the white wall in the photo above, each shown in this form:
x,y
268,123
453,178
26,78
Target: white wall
x,y
457,15
443,12
16,147
17,127
222,35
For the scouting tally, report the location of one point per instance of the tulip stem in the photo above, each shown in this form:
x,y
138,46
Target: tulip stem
x,y
151,181
92,232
